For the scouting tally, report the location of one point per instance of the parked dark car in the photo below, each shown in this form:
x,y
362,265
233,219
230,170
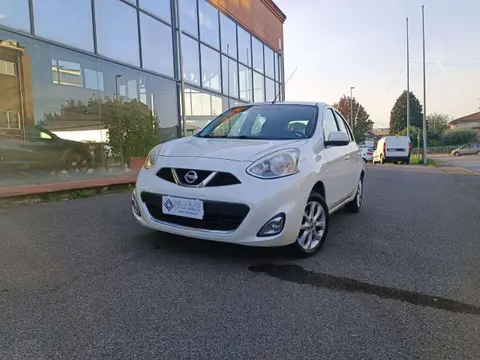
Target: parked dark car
x,y
40,149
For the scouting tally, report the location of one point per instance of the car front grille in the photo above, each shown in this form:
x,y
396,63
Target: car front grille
x,y
218,179
218,216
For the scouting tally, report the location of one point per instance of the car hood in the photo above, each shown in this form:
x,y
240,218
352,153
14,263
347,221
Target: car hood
x,y
228,149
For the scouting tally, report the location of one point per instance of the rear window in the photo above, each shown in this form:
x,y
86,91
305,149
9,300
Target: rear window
x,y
264,122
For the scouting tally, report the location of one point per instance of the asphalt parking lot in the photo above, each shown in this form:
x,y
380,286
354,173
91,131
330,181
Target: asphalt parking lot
x,y
80,280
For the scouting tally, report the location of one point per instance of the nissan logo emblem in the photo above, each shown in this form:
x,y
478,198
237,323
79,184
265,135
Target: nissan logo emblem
x,y
190,177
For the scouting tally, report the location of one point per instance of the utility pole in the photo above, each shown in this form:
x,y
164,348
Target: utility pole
x,y
408,85
424,93
351,106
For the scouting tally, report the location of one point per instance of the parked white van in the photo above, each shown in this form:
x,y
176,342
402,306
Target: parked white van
x,y
393,149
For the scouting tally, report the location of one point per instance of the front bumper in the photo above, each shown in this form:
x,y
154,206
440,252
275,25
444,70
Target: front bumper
x,y
264,199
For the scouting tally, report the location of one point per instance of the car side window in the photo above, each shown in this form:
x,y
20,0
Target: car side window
x,y
329,123
343,126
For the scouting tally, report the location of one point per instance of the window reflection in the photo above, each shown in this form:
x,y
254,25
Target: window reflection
x,y
269,90
191,66
245,81
200,108
210,68
230,77
69,112
117,31
157,46
158,8
188,16
258,87
15,14
68,22
244,48
269,62
275,63
257,48
229,36
208,23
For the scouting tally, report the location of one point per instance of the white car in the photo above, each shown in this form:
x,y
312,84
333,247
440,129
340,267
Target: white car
x,y
367,153
267,174
393,149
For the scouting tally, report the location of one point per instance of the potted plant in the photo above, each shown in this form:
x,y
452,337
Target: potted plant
x,y
132,130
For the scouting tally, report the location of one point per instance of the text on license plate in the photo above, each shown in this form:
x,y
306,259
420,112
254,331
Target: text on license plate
x,y
190,208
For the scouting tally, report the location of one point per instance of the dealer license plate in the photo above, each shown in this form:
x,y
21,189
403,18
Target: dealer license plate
x,y
190,208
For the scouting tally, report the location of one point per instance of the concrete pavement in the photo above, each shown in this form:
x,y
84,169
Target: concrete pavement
x,y
80,280
469,162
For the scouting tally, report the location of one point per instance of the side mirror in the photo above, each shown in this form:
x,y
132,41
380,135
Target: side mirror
x,y
337,138
196,131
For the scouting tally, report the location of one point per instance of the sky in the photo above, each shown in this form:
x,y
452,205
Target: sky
x,y
338,44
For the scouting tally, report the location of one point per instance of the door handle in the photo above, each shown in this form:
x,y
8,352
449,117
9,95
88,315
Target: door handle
x,y
347,157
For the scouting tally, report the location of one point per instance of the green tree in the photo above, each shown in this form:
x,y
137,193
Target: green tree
x,y
459,136
361,119
437,124
398,115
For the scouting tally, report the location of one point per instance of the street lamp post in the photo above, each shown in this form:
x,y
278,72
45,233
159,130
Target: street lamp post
x,y
351,106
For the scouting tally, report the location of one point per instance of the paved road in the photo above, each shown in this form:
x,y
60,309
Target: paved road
x,y
400,280
470,162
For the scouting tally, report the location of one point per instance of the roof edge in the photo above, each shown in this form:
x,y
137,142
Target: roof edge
x,y
465,118
275,10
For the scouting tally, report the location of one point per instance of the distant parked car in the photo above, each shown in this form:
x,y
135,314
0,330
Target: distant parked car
x,y
393,149
367,153
467,149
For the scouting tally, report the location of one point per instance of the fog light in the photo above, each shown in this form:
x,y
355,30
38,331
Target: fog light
x,y
135,207
274,226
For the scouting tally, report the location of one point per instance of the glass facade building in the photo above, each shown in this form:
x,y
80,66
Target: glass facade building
x,y
89,86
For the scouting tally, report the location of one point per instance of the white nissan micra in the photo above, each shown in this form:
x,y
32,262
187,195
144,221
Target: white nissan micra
x,y
267,174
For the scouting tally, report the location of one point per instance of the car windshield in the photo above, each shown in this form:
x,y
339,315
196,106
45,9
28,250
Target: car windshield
x,y
265,122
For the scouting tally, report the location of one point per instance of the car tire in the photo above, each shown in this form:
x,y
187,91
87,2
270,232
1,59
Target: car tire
x,y
456,153
307,243
382,160
478,153
355,205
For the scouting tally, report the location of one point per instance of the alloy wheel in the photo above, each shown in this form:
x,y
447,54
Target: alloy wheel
x,y
313,226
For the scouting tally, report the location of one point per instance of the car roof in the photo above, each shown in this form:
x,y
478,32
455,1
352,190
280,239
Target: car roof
x,y
311,103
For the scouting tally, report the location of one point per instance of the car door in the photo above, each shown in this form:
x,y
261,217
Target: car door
x,y
336,170
353,156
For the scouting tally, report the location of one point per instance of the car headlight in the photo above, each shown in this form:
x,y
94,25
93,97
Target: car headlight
x,y
276,165
152,157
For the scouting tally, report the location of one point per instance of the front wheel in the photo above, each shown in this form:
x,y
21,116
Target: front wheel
x,y
456,153
355,205
314,227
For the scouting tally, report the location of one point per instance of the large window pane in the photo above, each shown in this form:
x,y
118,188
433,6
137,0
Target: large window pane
x,y
210,68
269,62
65,21
191,61
257,48
269,90
157,50
208,24
15,14
67,115
230,78
244,48
245,81
258,87
188,16
229,36
117,31
160,8
200,108
275,60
